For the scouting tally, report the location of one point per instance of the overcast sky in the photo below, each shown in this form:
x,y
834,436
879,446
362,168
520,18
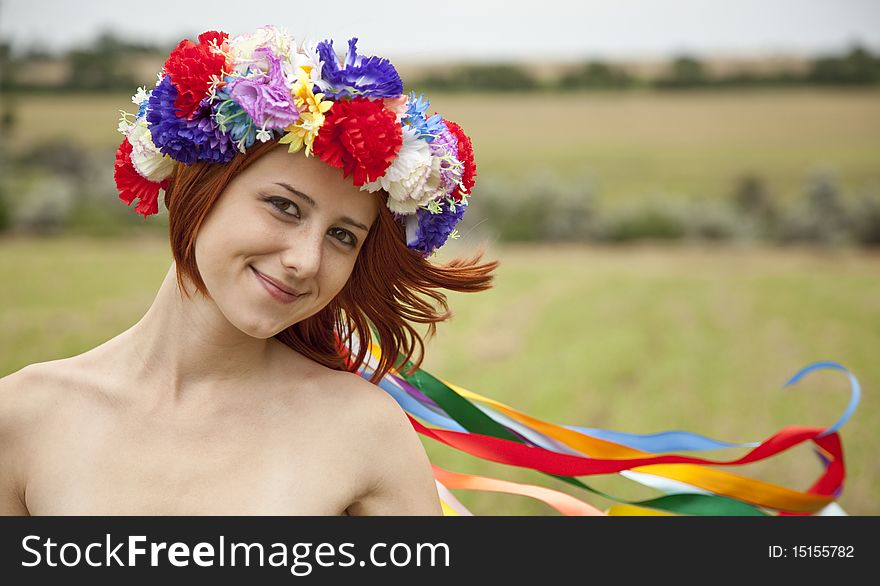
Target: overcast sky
x,y
471,29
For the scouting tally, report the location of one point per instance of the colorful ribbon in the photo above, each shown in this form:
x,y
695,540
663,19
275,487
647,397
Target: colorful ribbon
x,y
496,432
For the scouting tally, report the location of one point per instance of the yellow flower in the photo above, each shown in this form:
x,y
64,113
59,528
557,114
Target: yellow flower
x,y
312,108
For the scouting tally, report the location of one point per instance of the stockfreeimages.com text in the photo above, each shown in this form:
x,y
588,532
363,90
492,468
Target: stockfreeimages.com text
x,y
300,558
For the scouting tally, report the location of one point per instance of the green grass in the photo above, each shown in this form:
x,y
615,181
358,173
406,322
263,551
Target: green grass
x,y
633,144
692,144
639,339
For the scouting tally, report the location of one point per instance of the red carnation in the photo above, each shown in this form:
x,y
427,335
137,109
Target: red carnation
x,y
191,67
131,184
466,156
361,137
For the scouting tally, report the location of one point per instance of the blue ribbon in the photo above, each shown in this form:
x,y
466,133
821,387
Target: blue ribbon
x,y
855,390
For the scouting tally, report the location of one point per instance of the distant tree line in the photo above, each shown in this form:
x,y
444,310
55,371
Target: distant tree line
x,y
857,67
105,64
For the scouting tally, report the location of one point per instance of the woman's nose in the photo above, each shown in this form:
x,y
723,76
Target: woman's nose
x,y
302,252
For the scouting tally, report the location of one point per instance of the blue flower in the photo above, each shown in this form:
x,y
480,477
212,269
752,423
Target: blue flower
x,y
428,128
433,230
142,107
235,120
371,77
184,140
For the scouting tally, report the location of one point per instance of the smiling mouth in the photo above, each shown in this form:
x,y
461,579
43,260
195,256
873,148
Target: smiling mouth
x,y
277,293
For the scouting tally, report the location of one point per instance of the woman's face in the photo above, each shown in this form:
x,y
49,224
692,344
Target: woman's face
x,y
282,240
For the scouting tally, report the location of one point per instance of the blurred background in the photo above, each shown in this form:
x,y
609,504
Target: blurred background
x,y
684,197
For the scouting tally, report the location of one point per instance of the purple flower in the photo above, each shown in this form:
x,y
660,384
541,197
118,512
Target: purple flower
x,y
372,77
265,97
185,140
428,232
445,146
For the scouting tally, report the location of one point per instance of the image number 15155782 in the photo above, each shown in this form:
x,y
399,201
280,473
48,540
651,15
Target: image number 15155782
x,y
811,551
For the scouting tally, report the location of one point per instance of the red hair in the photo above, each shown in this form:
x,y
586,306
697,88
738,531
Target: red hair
x,y
390,287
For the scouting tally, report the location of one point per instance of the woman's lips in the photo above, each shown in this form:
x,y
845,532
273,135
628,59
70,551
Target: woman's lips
x,y
274,290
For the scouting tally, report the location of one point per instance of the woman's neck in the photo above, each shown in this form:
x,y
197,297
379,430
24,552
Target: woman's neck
x,y
184,346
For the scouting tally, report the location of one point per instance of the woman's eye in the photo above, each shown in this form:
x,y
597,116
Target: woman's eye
x,y
344,236
284,205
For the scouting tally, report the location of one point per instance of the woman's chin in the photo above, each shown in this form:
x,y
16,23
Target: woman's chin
x,y
262,330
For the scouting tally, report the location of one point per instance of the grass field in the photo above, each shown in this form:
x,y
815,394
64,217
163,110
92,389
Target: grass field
x,y
633,144
640,339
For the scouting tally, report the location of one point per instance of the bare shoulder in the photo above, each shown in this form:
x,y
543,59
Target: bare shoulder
x,y
26,396
399,480
375,408
371,412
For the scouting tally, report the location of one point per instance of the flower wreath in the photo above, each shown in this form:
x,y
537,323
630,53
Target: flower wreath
x,y
219,96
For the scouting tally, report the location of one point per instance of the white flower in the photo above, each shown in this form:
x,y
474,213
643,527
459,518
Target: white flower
x,y
242,48
146,158
124,126
414,152
413,179
127,120
140,95
307,59
264,135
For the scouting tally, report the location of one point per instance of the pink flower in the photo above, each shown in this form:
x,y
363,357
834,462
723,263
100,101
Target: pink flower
x,y
265,96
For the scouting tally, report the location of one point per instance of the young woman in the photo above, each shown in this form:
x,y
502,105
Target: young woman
x,y
305,197
231,395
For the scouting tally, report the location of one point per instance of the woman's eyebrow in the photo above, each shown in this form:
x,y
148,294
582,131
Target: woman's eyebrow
x,y
351,222
312,203
296,192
